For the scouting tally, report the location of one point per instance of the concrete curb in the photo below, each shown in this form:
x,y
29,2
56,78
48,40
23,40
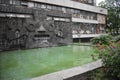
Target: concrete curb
x,y
64,74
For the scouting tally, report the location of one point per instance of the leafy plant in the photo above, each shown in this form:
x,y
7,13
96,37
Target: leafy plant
x,y
98,74
111,64
109,52
117,38
102,40
111,60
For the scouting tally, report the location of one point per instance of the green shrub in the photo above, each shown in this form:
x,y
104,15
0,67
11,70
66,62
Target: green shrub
x,y
117,38
102,40
109,51
98,74
111,63
111,60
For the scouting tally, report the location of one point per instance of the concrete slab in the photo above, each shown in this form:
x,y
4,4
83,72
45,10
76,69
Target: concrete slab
x,y
64,74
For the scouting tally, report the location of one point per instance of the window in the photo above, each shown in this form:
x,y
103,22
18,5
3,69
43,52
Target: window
x,y
64,10
72,11
43,6
54,7
101,29
31,4
15,2
59,8
35,5
95,16
88,17
76,11
49,7
81,16
38,5
68,10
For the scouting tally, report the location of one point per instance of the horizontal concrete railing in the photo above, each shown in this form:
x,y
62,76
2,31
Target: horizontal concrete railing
x,y
64,74
85,35
85,20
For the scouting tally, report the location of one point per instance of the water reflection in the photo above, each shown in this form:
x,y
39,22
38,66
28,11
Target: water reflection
x,y
81,48
81,55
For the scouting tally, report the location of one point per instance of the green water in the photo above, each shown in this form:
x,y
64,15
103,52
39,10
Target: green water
x,y
26,64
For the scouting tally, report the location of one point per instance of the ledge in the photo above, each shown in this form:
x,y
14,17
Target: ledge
x,y
64,74
85,35
85,21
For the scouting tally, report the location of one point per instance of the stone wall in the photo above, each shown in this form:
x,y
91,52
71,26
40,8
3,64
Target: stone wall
x,y
32,32
85,76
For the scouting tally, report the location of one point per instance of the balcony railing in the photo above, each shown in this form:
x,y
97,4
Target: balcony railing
x,y
85,35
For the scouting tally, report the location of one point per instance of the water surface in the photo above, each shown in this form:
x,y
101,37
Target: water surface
x,y
25,64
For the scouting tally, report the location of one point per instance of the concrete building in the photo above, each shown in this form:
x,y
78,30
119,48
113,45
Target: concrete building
x,y
41,23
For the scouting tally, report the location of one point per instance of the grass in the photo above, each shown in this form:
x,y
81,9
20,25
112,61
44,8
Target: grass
x,y
26,64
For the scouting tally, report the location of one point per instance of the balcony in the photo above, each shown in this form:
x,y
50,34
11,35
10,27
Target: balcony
x,y
84,20
85,35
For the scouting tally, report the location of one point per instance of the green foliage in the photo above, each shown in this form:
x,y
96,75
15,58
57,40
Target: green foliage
x,y
113,19
108,49
111,63
102,40
98,74
111,60
117,38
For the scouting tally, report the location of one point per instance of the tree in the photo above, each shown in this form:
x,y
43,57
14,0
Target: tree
x,y
113,17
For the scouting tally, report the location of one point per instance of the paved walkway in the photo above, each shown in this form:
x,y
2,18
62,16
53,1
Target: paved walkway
x,y
64,74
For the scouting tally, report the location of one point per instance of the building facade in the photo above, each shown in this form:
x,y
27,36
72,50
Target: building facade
x,y
42,23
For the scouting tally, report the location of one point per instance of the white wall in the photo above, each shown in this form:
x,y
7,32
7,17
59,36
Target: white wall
x,y
73,4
